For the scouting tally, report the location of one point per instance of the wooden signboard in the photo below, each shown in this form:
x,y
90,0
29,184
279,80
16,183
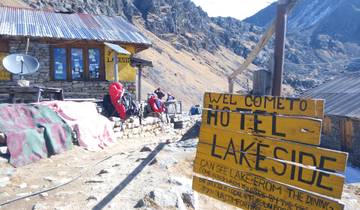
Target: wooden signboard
x,y
262,153
276,197
303,130
269,104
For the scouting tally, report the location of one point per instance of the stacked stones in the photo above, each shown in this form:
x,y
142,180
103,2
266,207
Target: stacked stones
x,y
151,126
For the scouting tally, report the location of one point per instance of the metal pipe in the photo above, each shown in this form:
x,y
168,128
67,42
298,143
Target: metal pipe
x,y
116,67
139,83
27,45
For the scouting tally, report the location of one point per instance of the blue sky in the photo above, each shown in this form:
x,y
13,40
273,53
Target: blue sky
x,y
239,9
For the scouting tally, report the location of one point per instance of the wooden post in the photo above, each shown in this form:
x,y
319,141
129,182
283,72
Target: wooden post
x,y
280,33
139,83
116,67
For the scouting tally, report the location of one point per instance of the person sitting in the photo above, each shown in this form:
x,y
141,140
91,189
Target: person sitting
x,y
170,97
156,104
159,93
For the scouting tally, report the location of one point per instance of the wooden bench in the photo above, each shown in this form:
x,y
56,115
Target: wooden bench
x,y
17,94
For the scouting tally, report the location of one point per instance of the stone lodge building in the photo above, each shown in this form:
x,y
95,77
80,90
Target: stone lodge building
x,y
75,51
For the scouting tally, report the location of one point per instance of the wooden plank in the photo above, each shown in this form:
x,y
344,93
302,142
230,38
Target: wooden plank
x,y
233,196
269,104
276,149
303,130
248,187
321,182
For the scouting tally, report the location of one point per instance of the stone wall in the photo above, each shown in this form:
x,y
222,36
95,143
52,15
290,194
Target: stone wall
x,y
335,140
73,89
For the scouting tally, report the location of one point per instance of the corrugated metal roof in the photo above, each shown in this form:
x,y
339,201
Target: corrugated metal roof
x,y
44,24
342,96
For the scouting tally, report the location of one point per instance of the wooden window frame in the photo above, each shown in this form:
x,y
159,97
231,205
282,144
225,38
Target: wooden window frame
x,y
85,48
52,64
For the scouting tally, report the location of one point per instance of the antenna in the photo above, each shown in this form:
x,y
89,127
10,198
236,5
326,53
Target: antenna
x,y
21,64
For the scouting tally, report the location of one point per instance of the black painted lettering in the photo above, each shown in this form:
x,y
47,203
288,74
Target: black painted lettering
x,y
257,101
256,124
293,159
269,100
248,101
232,102
225,99
243,152
260,157
292,100
319,181
214,99
322,174
276,155
274,131
225,117
242,121
213,148
280,103
303,105
212,115
231,150
301,169
322,163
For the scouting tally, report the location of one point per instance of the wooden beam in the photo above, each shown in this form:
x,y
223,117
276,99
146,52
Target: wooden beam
x,y
261,44
279,52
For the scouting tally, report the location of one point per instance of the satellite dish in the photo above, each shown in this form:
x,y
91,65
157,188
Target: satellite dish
x,y
21,64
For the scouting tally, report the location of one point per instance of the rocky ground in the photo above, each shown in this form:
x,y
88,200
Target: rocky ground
x,y
144,170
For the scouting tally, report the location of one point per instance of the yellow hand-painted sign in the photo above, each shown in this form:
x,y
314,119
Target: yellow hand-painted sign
x,y
271,196
4,75
279,105
271,139
309,156
126,71
303,130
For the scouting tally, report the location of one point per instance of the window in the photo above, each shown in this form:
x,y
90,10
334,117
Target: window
x,y
94,63
60,64
77,63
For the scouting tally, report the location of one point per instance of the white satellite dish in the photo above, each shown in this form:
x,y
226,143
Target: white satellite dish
x,y
21,64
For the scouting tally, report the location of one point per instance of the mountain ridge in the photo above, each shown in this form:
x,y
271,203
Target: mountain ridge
x,y
312,55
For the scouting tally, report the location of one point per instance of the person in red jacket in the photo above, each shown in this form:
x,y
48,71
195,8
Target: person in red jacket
x,y
116,91
156,104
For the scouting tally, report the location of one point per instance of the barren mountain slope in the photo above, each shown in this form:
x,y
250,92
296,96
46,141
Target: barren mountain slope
x,y
188,75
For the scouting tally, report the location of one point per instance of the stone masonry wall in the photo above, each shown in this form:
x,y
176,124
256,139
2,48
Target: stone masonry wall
x,y
335,141
74,89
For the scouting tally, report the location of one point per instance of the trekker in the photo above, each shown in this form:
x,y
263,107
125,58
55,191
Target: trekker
x,y
159,93
170,97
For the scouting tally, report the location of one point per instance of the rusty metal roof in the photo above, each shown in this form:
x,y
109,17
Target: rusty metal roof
x,y
46,24
342,96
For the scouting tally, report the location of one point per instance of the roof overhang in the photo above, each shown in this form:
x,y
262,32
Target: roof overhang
x,y
117,48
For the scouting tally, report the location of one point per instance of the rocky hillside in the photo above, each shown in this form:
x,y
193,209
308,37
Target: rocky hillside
x,y
320,45
323,39
188,53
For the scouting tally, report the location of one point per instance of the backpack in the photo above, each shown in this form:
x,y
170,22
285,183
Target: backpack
x,y
131,106
109,107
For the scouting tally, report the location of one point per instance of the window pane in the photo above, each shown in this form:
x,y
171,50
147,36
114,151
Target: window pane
x,y
94,63
60,64
77,63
